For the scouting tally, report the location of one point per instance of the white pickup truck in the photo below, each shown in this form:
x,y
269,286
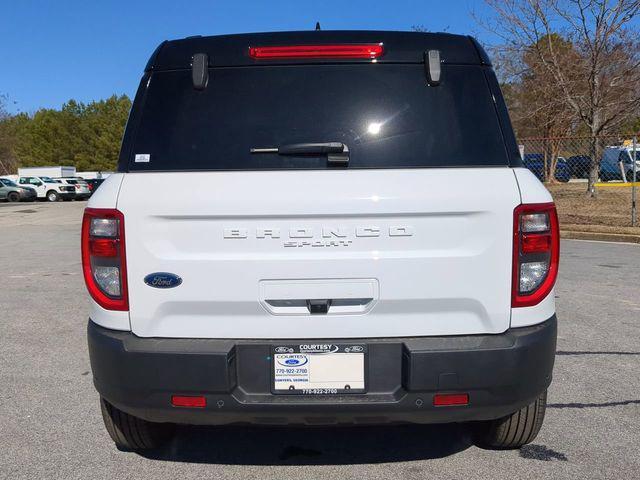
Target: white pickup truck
x,y
48,188
358,243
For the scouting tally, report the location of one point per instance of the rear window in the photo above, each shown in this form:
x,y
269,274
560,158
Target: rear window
x,y
386,114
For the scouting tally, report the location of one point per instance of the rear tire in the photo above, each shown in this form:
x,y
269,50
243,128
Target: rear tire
x,y
53,196
132,433
515,430
13,197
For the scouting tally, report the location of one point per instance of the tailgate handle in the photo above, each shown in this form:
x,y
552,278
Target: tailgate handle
x,y
317,307
341,296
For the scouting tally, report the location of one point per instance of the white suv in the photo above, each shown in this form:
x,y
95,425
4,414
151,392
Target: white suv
x,y
359,242
81,187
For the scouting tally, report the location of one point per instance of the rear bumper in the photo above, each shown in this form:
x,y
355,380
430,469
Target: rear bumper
x,y
501,373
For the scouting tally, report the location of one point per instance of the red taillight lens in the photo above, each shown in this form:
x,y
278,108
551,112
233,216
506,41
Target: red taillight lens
x,y
103,247
369,50
532,243
188,401
449,399
536,253
104,258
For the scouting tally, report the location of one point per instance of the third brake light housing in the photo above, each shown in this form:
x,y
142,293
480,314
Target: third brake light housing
x,y
355,50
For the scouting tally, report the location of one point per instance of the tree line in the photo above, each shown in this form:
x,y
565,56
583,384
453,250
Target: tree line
x,y
86,136
567,68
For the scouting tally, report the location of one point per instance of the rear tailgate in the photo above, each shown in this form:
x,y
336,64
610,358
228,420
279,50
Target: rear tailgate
x,y
400,252
413,236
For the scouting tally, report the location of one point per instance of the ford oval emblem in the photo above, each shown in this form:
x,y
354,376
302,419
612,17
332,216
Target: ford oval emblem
x,y
162,280
299,361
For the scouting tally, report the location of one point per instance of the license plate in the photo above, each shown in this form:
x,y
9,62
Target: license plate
x,y
319,369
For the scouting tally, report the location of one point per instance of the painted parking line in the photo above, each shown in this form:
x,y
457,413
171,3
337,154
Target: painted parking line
x,y
618,184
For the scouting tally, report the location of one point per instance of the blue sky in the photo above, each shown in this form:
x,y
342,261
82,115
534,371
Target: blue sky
x,y
51,51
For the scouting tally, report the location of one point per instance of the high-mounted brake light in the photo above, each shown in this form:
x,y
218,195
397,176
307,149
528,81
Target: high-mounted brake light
x,y
103,257
367,50
536,253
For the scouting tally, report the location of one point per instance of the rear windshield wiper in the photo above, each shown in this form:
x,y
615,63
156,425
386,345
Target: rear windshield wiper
x,y
336,152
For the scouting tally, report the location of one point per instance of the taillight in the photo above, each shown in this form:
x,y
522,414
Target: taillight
x,y
536,251
103,257
367,50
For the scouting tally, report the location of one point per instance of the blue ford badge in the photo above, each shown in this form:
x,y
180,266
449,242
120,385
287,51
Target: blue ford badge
x,y
295,362
162,280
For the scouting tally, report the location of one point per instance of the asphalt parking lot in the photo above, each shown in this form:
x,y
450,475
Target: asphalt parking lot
x,y
51,427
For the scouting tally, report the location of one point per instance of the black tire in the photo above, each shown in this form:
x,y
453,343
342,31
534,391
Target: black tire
x,y
53,196
132,433
13,197
515,430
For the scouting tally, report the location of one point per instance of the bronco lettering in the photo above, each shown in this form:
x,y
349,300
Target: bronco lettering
x,y
326,236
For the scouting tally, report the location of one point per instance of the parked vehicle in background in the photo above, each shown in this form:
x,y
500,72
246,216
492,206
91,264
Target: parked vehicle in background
x,y
618,161
82,187
535,163
48,188
579,166
383,259
12,192
93,175
94,183
51,172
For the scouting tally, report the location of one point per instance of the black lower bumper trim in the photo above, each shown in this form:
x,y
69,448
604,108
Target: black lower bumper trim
x,y
501,373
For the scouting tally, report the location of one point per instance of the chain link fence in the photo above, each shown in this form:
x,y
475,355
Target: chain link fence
x,y
593,180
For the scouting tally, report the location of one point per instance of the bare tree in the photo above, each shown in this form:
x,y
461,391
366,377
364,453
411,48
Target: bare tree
x,y
601,83
535,101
